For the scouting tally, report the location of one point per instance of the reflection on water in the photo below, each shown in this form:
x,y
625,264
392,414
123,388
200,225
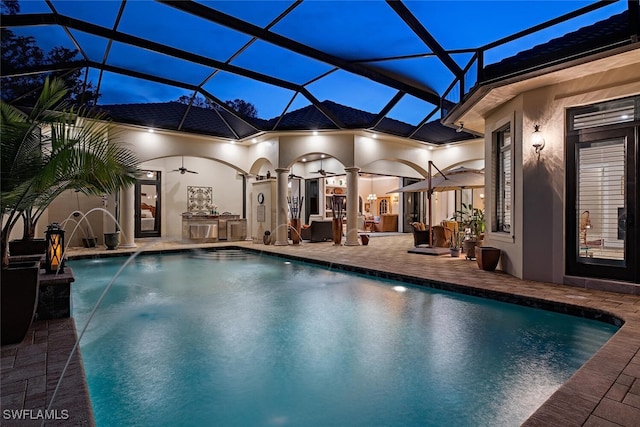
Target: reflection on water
x,y
253,340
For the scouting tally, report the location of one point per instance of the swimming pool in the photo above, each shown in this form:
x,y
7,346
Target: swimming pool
x,y
232,338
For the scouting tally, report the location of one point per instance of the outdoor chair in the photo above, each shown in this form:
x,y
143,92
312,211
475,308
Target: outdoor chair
x,y
420,234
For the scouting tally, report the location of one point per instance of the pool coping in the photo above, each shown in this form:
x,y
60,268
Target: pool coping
x,y
604,391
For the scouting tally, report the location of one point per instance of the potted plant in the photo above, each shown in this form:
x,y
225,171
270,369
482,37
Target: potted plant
x,y
51,149
473,225
47,150
455,243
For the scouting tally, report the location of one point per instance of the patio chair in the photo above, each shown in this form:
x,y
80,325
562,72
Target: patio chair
x,y
420,234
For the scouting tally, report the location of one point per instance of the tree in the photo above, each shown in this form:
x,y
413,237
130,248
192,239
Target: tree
x,y
240,106
52,149
22,53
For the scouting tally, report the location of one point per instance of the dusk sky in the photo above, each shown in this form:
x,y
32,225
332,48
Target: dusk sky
x,y
352,30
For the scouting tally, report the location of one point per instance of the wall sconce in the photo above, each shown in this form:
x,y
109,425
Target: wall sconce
x,y
537,140
54,261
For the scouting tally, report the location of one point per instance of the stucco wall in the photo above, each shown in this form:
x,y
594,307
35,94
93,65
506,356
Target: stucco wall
x,y
537,251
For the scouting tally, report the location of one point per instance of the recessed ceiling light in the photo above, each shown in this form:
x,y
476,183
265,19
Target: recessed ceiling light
x,y
431,148
322,156
150,130
315,132
254,140
304,159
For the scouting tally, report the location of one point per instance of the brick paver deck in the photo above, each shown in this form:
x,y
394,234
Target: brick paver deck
x,y
604,392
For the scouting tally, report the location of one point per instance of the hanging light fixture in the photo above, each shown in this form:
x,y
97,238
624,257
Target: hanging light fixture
x,y
372,196
54,261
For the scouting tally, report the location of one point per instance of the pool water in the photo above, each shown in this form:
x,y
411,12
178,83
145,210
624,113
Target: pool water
x,y
236,339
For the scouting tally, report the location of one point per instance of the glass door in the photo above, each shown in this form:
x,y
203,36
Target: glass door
x,y
602,207
147,206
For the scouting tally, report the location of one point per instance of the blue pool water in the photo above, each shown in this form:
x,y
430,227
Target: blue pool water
x,y
238,339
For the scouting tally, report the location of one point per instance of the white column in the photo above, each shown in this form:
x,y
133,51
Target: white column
x,y
127,218
282,181
352,206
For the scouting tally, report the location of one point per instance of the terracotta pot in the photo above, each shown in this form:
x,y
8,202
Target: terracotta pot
x,y
337,231
487,257
19,298
296,226
469,248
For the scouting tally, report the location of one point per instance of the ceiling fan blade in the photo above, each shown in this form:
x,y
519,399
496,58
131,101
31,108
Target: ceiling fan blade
x,y
191,171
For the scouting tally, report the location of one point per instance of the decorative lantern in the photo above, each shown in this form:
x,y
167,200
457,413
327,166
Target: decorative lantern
x,y
54,261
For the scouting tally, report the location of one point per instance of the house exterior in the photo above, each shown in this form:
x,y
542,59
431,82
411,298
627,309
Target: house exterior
x,y
567,210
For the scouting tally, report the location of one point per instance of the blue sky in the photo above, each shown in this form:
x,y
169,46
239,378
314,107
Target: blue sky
x,y
353,30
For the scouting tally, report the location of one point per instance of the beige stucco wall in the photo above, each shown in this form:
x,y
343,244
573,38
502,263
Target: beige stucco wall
x,y
538,246
222,164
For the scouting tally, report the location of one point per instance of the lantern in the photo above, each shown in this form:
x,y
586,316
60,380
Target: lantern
x,y
54,261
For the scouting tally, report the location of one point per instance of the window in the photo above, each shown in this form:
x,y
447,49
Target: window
x,y
503,180
383,206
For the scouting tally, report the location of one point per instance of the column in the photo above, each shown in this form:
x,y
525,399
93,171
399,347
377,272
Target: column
x,y
127,217
282,181
352,206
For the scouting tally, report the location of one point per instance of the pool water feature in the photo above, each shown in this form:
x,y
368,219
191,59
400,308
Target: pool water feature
x,y
237,339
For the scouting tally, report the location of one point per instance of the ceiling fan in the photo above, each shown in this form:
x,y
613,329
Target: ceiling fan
x,y
293,175
323,172
182,169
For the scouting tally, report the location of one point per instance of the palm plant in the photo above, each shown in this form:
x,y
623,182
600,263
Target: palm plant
x,y
51,149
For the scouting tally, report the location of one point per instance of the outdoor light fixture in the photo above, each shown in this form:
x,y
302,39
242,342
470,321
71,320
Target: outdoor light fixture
x,y
54,261
537,140
149,174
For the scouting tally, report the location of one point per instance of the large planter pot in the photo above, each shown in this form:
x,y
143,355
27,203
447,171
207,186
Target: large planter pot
x,y
19,299
470,246
337,231
27,247
296,228
454,252
487,257
112,240
89,242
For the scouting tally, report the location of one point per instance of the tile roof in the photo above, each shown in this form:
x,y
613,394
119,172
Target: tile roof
x,y
585,41
206,121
